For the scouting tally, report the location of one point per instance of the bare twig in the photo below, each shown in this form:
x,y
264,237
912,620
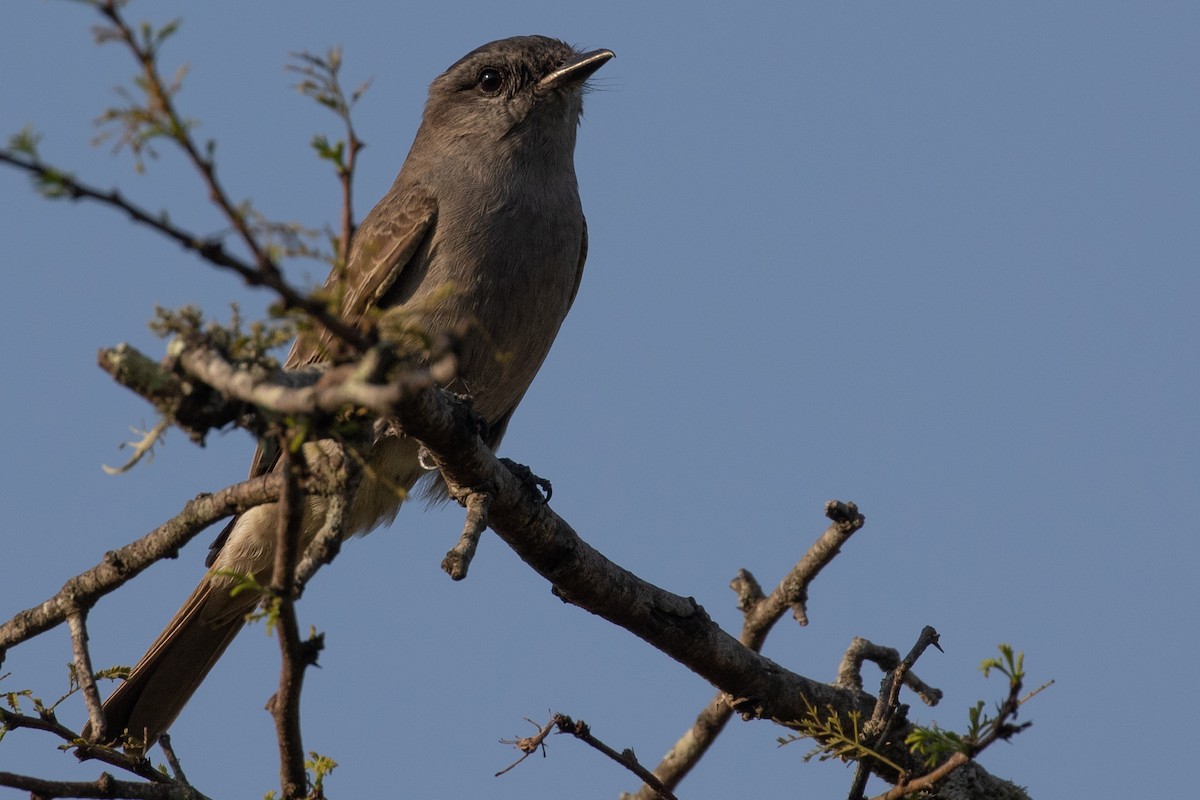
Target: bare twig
x,y
792,591
528,745
164,744
141,448
760,615
328,541
889,693
77,622
626,758
105,786
458,560
561,723
886,658
285,705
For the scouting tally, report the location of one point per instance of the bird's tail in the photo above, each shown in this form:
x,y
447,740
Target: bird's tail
x,y
166,677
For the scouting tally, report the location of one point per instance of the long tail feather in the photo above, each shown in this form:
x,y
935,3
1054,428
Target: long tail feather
x,y
159,685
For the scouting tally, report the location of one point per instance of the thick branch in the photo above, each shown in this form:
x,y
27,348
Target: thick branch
x,y
225,390
105,786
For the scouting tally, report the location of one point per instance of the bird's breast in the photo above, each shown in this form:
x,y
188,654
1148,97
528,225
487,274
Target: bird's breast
x,y
505,263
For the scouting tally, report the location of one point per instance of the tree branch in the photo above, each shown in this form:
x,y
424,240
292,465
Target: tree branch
x,y
211,250
124,563
580,575
77,621
888,710
285,705
106,786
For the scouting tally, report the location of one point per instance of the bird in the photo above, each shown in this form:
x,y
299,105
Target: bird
x,y
483,225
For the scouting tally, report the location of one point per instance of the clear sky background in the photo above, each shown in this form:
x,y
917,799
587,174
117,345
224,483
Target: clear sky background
x,y
938,259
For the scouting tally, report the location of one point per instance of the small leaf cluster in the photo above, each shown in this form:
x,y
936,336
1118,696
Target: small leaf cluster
x,y
834,738
250,345
318,767
49,182
319,80
934,744
13,700
147,114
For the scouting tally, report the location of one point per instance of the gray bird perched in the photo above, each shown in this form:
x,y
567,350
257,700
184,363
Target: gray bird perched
x,y
483,225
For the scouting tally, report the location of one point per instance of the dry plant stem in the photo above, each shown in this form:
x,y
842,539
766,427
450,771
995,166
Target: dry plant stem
x,y
77,622
760,615
103,787
458,560
792,591
344,476
285,705
528,745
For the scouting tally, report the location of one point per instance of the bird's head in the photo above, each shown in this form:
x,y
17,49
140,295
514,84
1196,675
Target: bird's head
x,y
532,83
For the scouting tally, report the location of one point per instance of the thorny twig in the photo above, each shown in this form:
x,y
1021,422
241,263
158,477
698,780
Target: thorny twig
x,y
561,723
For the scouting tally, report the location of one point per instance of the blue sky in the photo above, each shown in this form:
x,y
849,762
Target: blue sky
x,y
937,259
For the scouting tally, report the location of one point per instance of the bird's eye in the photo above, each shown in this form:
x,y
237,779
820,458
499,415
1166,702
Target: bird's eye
x,y
490,80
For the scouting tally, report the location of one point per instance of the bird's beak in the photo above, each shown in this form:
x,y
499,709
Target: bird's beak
x,y
576,70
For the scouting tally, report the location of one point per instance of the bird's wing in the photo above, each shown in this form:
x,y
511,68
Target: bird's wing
x,y
583,247
384,245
